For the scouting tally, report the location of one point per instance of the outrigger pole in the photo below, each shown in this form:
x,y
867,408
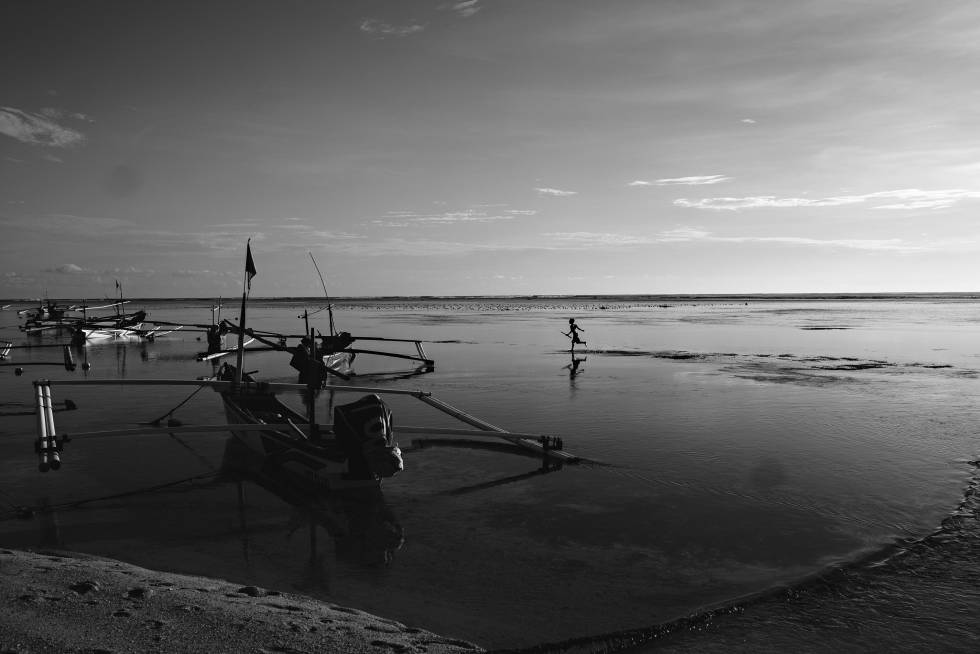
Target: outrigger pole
x,y
49,443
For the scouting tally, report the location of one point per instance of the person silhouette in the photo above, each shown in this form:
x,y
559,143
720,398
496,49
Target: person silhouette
x,y
572,333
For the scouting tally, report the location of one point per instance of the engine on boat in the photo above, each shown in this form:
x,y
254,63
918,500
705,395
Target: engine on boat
x,y
364,430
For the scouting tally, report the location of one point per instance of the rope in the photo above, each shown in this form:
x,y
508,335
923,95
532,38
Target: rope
x,y
156,423
26,512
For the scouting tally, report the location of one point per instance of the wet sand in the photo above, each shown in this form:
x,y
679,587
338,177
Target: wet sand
x,y
55,601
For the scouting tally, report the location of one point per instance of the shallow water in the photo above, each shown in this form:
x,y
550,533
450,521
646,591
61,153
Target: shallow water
x,y
734,447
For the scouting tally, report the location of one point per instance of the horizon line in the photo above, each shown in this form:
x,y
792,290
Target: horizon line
x,y
539,296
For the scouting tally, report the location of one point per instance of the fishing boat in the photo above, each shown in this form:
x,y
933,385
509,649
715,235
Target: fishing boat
x,y
128,324
357,450
47,315
91,328
76,319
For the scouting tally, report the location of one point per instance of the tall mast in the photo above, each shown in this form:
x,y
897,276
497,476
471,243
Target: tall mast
x,y
246,287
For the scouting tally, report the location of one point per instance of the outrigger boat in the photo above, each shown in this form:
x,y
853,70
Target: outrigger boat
x,y
104,327
47,315
357,450
84,326
113,327
321,453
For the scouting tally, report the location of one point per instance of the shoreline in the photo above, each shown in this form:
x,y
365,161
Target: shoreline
x,y
61,601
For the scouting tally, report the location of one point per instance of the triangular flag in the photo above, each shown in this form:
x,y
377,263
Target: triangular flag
x,y
249,264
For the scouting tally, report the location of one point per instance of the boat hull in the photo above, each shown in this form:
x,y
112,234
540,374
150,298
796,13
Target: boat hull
x,y
313,465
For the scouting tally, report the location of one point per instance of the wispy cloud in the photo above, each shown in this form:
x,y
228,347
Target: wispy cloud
x,y
37,129
205,273
901,199
606,240
473,215
57,114
694,180
67,269
465,8
381,29
592,239
554,192
891,244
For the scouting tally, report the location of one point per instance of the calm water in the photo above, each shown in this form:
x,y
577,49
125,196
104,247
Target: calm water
x,y
734,448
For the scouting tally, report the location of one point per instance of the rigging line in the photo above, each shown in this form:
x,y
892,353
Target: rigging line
x,y
171,412
322,283
9,500
22,512
200,457
325,293
138,491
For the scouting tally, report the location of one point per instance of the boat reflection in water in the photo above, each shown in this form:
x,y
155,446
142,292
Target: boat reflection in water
x,y
364,529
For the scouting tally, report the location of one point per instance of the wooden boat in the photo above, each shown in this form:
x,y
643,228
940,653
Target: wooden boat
x,y
47,315
357,450
124,324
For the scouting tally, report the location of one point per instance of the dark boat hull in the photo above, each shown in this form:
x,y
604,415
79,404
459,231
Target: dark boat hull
x,y
315,464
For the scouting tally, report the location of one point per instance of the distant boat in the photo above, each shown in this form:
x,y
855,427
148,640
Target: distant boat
x,y
126,324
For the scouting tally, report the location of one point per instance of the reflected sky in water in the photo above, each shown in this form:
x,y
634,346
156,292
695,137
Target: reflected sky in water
x,y
731,446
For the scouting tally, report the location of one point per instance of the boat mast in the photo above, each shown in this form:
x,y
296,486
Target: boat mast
x,y
246,287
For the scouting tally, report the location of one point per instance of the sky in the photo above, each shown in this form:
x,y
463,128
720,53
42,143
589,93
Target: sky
x,y
488,147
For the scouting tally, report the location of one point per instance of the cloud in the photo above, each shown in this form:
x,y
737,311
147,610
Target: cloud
x,y
755,202
682,234
554,192
748,121
693,234
465,8
67,269
694,180
593,240
382,29
204,273
408,218
37,129
907,199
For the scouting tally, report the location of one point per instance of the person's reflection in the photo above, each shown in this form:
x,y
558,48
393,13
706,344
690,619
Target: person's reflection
x,y
573,367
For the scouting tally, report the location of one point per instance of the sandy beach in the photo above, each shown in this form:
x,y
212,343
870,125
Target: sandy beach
x,y
55,601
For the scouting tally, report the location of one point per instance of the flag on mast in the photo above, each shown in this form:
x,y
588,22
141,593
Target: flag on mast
x,y
249,264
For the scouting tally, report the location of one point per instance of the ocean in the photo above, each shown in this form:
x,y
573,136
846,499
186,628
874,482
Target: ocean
x,y
759,473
